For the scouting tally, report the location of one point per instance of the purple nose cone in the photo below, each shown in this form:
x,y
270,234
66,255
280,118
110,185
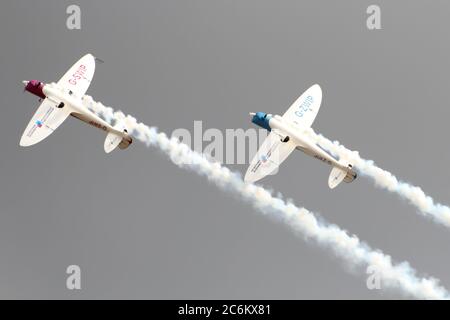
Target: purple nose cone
x,y
35,87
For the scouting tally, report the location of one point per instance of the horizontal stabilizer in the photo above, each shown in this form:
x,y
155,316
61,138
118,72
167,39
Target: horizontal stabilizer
x,y
337,175
112,141
120,138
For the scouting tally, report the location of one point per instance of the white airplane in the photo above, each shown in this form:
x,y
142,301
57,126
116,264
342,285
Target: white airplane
x,y
287,133
64,99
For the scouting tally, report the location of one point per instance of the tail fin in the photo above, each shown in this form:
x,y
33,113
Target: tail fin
x,y
338,175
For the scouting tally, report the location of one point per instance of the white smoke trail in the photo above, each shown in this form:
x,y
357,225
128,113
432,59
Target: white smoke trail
x,y
384,179
348,247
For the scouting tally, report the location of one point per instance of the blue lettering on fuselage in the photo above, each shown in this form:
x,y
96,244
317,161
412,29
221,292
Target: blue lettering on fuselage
x,y
304,107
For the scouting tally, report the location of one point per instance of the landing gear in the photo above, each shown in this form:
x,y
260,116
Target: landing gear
x,y
60,105
286,139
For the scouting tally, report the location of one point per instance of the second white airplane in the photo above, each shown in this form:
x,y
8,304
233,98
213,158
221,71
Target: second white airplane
x,y
287,133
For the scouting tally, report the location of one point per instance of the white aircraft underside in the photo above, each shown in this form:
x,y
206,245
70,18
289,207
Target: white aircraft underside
x,y
64,99
287,133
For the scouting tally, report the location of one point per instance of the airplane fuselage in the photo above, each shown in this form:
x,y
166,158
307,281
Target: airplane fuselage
x,y
79,111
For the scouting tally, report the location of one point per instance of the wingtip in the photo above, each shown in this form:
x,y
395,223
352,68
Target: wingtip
x,y
93,57
319,88
23,142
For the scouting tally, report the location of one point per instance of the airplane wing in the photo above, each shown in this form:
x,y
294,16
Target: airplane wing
x,y
78,78
269,156
304,110
47,118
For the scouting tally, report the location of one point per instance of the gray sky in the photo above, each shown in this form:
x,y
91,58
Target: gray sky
x,y
141,228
